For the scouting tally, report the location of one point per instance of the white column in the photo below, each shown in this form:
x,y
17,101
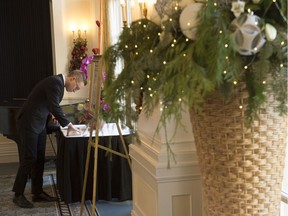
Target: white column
x,y
157,189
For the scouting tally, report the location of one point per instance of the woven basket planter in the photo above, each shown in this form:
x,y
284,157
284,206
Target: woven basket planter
x,y
241,166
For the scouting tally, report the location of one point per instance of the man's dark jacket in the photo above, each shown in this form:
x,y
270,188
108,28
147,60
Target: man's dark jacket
x,y
44,99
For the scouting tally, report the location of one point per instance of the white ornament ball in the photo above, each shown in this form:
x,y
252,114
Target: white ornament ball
x,y
247,35
188,20
270,32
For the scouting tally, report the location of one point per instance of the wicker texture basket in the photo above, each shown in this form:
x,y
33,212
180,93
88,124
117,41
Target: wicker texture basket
x,y
241,166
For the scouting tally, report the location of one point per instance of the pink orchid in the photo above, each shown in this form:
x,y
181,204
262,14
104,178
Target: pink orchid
x,y
85,62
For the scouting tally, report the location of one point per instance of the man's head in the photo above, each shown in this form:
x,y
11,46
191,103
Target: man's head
x,y
75,80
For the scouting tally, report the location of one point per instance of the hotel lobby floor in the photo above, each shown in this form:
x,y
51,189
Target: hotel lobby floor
x,y
105,208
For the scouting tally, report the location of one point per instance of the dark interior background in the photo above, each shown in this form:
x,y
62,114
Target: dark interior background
x,y
25,47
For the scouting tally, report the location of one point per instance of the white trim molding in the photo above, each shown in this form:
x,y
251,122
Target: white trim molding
x,y
160,189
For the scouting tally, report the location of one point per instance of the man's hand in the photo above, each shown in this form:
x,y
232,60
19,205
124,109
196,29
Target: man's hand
x,y
72,130
54,120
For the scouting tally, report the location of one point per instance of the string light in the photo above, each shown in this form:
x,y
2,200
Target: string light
x,y
172,45
161,109
148,76
180,99
176,6
184,54
249,10
281,65
159,34
235,82
151,51
245,67
126,46
215,4
282,43
136,46
227,57
264,82
164,62
136,53
240,107
141,88
170,19
224,72
220,31
144,26
149,89
174,40
187,40
226,45
148,38
151,95
132,81
139,22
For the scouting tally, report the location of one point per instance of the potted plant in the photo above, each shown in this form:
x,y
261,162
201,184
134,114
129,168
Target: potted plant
x,y
227,62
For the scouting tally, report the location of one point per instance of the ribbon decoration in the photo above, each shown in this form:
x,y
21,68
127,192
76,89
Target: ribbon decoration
x,y
85,62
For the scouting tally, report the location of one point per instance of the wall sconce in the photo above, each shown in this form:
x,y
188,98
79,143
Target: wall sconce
x,y
79,38
79,32
124,13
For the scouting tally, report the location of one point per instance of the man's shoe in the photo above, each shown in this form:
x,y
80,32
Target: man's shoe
x,y
43,197
22,202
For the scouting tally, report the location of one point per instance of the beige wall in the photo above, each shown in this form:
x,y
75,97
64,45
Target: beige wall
x,y
66,13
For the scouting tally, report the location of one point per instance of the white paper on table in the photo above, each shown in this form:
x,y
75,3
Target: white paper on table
x,y
107,129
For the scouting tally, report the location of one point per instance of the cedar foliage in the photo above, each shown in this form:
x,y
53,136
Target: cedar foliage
x,y
172,70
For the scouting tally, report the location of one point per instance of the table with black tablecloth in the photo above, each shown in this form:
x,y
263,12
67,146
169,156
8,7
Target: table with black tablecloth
x,y
113,174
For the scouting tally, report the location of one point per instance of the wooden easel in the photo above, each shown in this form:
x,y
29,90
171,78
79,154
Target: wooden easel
x,y
95,144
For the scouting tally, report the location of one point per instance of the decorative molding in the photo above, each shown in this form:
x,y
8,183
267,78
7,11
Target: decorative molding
x,y
180,180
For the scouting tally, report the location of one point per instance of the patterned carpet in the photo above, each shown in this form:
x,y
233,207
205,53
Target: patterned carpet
x,y
8,208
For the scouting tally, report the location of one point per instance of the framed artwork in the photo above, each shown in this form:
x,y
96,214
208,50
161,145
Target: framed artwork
x,y
95,81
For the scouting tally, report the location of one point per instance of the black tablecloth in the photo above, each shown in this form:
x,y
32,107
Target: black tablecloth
x,y
113,175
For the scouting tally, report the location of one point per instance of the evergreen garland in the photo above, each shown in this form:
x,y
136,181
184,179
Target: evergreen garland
x,y
166,68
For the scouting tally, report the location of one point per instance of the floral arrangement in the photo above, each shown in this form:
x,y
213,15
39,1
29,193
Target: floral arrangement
x,y
78,54
197,50
85,116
